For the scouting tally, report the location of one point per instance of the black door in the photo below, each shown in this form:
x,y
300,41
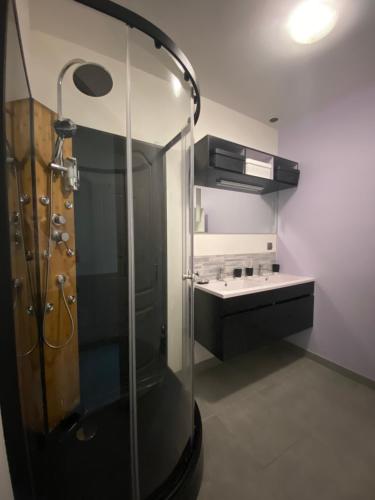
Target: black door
x,y
102,277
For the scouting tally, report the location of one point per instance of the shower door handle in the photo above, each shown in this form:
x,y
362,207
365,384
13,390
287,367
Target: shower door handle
x,y
190,276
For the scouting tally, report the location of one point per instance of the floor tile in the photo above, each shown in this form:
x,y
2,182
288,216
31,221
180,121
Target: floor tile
x,y
281,426
229,469
261,428
312,469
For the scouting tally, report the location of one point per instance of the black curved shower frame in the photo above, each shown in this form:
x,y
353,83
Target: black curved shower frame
x,y
17,449
160,38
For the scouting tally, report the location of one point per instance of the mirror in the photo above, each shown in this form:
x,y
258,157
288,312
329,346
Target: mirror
x,y
218,211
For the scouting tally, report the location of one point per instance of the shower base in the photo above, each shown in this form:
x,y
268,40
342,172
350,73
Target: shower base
x,y
90,459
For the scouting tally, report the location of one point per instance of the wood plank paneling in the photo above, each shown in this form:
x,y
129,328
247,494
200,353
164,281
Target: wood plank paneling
x,y
61,366
23,263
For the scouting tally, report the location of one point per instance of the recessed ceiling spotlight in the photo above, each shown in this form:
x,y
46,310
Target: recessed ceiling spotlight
x,y
274,119
311,21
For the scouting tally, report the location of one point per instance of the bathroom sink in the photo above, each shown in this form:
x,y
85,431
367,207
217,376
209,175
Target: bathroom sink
x,y
234,287
272,278
230,285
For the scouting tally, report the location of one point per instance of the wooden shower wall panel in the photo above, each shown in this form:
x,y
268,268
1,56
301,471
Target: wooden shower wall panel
x,y
22,232
61,365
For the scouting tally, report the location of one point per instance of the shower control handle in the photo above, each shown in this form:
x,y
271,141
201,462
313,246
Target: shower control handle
x,y
190,276
58,219
60,237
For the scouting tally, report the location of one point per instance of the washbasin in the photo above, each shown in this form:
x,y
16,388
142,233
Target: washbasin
x,y
234,287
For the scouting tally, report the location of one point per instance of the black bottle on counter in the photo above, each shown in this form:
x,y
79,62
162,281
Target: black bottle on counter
x,y
237,272
249,271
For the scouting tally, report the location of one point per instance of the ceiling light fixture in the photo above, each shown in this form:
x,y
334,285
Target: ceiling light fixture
x,y
311,21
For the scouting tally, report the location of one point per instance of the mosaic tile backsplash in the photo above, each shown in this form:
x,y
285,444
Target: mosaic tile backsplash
x,y
208,265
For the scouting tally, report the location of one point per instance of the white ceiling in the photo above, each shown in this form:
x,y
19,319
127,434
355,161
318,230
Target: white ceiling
x,y
245,59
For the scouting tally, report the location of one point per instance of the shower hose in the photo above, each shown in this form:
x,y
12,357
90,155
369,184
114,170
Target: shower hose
x,y
60,280
19,190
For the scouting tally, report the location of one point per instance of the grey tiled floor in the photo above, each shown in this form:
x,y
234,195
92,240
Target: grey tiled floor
x,y
280,426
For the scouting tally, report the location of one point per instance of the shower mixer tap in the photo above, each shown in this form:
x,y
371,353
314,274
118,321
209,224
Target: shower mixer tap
x,y
58,219
69,172
60,237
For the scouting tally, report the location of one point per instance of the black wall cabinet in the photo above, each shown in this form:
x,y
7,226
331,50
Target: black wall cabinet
x,y
222,164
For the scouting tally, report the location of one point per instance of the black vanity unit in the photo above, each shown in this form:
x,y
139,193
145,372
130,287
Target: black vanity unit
x,y
231,326
226,165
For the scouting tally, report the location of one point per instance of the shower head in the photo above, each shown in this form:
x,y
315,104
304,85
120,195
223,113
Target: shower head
x,y
93,80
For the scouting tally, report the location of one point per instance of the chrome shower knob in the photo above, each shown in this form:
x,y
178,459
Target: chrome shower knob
x,y
60,236
25,199
72,299
58,219
60,279
49,307
17,283
16,218
44,200
18,237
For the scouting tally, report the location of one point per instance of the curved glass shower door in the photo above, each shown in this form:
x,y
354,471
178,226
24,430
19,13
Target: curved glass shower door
x,y
100,218
160,108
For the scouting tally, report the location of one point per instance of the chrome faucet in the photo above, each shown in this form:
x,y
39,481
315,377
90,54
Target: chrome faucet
x,y
220,274
262,270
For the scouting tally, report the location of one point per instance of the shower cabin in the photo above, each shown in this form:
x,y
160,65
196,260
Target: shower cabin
x,y
96,260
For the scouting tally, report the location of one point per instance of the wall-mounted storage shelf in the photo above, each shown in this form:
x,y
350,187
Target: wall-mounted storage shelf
x,y
226,165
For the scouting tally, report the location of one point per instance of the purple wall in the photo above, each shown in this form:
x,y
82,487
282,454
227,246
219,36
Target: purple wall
x,y
327,227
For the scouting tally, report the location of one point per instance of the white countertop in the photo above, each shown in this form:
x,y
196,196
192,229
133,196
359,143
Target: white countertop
x,y
234,287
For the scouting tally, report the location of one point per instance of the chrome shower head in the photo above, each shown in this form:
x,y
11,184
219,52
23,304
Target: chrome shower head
x,y
91,79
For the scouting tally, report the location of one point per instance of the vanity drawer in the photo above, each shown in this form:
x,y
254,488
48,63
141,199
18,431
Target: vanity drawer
x,y
246,302
291,317
254,300
292,292
243,332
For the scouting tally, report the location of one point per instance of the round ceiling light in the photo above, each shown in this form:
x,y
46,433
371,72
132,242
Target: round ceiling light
x,y
311,21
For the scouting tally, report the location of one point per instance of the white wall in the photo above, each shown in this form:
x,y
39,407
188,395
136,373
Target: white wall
x,y
231,244
224,122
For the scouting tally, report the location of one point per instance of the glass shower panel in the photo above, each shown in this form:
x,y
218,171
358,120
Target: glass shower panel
x,y
80,258
99,169
22,232
160,109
